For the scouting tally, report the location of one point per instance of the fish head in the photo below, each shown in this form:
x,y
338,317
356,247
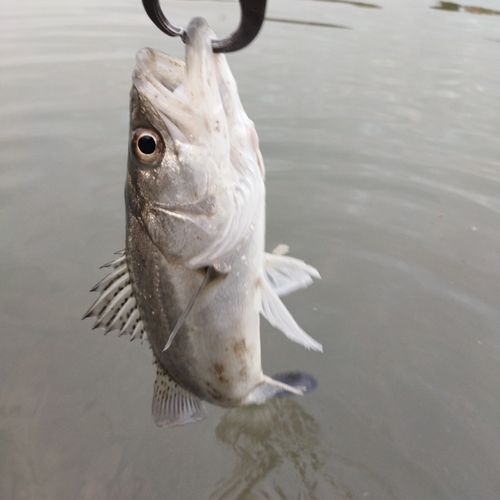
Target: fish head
x,y
163,170
195,172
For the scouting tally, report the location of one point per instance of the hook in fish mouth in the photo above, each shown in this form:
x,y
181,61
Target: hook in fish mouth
x,y
252,17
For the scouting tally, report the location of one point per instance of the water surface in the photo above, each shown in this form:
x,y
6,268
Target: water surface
x,y
382,154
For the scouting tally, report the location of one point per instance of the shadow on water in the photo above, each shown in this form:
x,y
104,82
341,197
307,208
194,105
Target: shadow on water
x,y
471,9
279,453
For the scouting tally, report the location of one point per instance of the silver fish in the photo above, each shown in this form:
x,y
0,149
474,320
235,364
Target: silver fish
x,y
194,277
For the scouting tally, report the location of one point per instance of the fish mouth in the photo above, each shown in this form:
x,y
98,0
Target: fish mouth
x,y
160,69
158,76
197,99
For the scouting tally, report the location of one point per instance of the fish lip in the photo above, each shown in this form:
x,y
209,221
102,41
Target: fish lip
x,y
159,69
156,76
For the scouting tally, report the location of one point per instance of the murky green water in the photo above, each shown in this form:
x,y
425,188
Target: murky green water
x,y
381,142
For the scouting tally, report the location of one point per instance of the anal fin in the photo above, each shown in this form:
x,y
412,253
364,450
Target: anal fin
x,y
172,404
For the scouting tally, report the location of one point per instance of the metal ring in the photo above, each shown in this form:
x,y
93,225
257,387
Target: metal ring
x,y
252,17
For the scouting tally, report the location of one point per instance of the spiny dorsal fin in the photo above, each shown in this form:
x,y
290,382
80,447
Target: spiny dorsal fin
x,y
172,404
286,274
116,308
278,315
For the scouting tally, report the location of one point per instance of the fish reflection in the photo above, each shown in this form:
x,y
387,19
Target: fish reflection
x,y
279,452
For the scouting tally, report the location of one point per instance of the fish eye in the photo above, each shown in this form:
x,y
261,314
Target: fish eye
x,y
146,145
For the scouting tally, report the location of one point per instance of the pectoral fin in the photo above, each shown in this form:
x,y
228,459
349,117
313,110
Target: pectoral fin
x,y
278,315
184,315
172,404
286,274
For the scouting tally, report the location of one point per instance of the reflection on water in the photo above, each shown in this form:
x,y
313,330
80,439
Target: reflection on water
x,y
279,454
306,23
454,7
471,9
356,4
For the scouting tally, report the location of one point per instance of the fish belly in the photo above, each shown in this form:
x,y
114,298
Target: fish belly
x,y
216,353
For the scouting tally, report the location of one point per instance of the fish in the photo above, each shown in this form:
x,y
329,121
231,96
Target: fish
x,y
194,277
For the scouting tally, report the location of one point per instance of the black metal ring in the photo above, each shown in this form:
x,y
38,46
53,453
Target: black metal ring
x,y
252,17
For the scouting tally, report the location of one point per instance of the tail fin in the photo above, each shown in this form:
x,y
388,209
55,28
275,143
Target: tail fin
x,y
302,380
282,385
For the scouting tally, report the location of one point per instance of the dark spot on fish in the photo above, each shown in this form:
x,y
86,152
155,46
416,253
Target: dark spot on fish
x,y
214,393
240,348
219,371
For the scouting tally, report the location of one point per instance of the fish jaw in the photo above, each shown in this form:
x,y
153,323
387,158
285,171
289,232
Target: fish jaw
x,y
201,196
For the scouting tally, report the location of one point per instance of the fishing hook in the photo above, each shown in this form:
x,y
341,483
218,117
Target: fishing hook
x,y
252,17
